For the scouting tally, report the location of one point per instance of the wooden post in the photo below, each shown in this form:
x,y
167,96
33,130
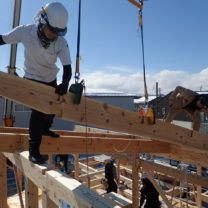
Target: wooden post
x,y
19,187
119,170
3,182
50,159
19,175
199,189
88,182
76,166
31,194
47,202
135,184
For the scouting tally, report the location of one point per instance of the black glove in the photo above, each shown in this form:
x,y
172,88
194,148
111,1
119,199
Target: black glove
x,y
61,89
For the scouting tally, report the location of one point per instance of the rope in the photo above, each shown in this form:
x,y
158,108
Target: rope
x,y
125,148
86,134
77,75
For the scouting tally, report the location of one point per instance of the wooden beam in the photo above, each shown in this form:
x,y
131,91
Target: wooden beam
x,y
205,197
135,182
10,142
32,171
18,185
71,191
97,172
47,202
94,182
75,144
99,133
187,156
31,194
58,185
3,181
76,166
43,98
190,178
118,199
199,189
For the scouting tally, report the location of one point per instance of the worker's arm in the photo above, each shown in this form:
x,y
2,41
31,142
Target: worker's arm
x,y
115,174
1,40
63,87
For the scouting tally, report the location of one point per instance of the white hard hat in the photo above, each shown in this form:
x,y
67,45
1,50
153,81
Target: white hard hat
x,y
56,17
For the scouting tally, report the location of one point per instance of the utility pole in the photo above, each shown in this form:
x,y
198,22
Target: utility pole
x,y
156,105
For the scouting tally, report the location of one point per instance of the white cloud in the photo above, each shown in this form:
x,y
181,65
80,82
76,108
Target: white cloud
x,y
119,68
101,81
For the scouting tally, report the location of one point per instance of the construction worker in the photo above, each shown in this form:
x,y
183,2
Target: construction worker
x,y
111,176
62,158
182,99
149,194
43,43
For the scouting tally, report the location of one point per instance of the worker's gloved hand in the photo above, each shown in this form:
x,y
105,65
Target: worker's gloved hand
x,y
61,89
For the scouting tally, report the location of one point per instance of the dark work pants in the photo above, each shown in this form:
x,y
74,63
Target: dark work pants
x,y
112,186
40,122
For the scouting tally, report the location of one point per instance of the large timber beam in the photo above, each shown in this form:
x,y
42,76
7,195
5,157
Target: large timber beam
x,y
57,185
75,144
73,133
43,98
179,175
187,156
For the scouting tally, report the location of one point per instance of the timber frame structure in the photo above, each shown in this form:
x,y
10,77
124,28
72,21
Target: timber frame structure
x,y
132,135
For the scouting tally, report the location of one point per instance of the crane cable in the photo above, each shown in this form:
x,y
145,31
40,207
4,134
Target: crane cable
x,y
143,56
77,71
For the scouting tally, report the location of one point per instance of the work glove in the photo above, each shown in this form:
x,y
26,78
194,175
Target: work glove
x,y
61,89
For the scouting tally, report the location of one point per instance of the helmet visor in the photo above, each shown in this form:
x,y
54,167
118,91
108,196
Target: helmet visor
x,y
57,31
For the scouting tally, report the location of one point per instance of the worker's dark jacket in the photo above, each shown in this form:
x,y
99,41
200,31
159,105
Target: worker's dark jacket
x,y
151,195
109,175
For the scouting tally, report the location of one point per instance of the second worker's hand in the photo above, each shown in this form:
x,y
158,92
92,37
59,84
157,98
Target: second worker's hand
x,y
61,89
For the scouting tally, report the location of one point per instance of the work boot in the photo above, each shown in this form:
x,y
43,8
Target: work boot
x,y
51,134
34,154
40,160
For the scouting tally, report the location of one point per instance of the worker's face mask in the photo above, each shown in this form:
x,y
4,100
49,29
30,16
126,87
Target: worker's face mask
x,y
44,40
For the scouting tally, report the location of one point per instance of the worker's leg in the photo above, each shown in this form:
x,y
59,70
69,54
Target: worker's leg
x,y
35,132
196,120
47,125
175,108
49,117
65,161
112,187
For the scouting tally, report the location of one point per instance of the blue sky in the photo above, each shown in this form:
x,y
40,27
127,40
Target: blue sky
x,y
175,40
